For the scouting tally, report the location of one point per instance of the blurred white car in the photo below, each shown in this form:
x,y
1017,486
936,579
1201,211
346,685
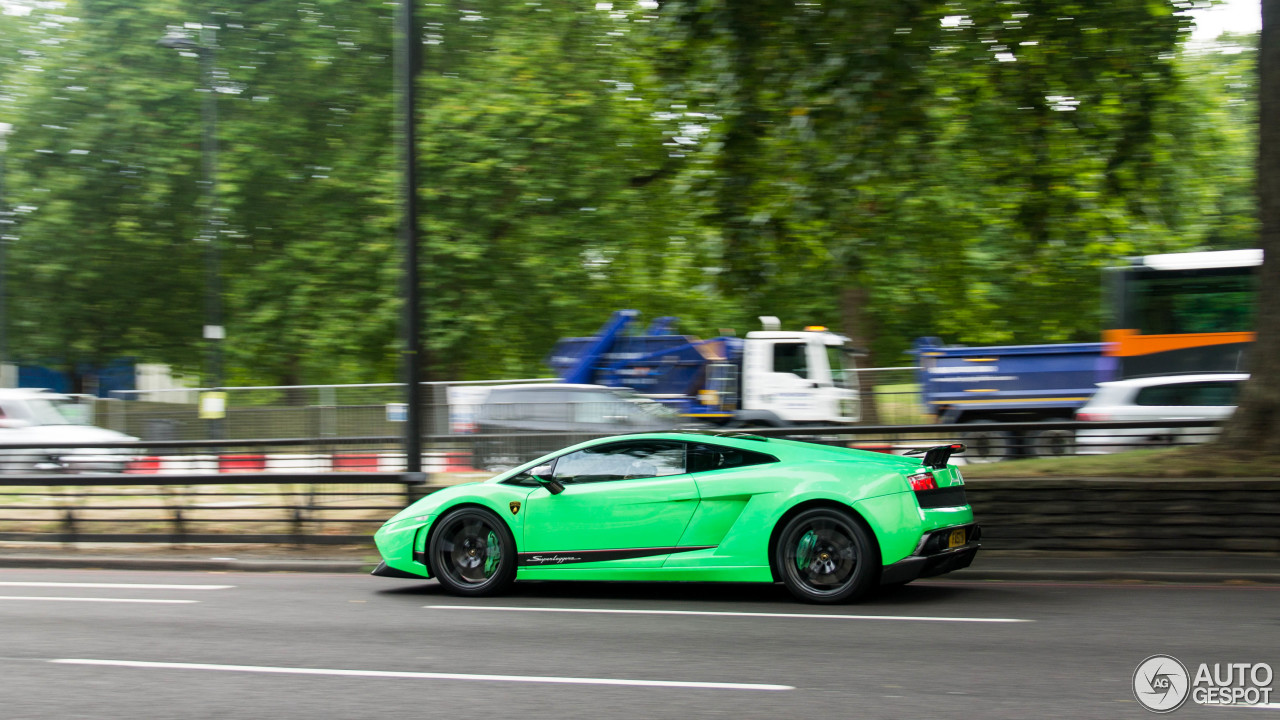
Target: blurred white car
x,y
31,417
1172,397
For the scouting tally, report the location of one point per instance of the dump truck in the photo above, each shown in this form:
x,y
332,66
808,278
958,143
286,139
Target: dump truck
x,y
769,378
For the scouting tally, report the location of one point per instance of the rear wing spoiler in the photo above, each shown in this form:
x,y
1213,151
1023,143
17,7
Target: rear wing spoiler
x,y
937,457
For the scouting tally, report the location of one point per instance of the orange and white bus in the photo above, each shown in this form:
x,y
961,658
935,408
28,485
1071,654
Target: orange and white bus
x,y
1182,312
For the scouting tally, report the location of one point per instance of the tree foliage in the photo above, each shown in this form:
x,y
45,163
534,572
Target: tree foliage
x,y
896,169
100,269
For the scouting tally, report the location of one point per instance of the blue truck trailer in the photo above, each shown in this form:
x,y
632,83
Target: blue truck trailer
x,y
1010,383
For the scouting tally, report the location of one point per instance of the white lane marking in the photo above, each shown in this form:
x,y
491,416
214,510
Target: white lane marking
x,y
122,586
814,616
46,598
425,675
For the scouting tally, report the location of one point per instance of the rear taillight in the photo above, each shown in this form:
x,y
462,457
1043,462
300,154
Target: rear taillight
x,y
922,481
1092,417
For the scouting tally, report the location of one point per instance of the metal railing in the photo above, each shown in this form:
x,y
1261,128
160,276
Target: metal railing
x,y
255,508
289,410
337,490
889,395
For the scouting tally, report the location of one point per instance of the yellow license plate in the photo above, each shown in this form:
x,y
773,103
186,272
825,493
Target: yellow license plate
x,y
956,539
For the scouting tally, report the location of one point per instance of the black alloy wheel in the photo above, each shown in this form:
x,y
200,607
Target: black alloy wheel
x,y
824,555
472,552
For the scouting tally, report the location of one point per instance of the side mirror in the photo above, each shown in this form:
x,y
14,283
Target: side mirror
x,y
546,479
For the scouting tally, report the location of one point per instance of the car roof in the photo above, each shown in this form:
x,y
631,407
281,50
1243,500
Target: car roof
x,y
29,393
1141,382
783,448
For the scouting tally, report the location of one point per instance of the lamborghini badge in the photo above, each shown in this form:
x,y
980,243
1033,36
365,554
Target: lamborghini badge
x,y
515,507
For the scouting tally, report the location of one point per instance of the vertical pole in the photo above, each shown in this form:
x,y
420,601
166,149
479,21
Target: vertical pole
x,y
213,329
411,352
5,226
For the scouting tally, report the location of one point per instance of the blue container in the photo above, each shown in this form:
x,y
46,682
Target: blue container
x,y
1009,382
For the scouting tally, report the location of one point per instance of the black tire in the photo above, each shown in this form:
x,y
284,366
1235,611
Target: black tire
x,y
472,553
985,446
1053,443
826,556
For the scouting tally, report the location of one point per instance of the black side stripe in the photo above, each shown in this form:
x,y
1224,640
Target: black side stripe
x,y
567,557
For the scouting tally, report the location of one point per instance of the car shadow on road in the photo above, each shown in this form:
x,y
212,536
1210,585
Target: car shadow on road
x,y
689,592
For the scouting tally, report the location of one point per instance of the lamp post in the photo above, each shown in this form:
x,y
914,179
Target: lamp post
x,y
213,329
407,56
6,226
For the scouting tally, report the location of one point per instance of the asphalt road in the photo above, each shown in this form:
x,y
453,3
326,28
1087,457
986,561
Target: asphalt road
x,y
117,644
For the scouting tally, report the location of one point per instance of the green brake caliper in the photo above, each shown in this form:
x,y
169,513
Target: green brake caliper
x,y
492,554
804,549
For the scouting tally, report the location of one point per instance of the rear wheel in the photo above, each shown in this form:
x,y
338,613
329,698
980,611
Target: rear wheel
x,y
473,553
985,445
826,556
1052,443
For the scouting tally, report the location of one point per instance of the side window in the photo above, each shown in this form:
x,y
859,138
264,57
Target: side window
x,y
1161,395
704,457
547,405
1219,393
1211,393
501,405
790,358
1200,394
621,461
597,407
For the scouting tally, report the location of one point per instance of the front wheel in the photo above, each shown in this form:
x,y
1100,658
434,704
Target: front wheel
x,y
473,553
826,556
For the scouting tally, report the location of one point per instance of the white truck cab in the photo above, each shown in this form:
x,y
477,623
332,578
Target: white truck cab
x,y
798,376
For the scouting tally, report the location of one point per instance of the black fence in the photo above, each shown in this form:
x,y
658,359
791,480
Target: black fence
x,y
338,490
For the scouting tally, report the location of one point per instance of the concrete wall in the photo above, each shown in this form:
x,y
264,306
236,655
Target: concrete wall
x,y
1229,514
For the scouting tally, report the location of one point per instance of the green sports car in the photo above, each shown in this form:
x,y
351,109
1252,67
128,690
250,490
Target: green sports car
x,y
830,523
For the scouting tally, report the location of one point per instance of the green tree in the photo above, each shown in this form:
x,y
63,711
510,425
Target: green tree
x,y
892,169
101,266
900,169
545,189
308,186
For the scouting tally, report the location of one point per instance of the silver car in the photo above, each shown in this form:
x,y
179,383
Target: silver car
x,y
1172,397
538,419
31,417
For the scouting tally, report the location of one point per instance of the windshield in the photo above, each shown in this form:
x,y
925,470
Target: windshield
x,y
835,358
645,405
53,412
1192,301
655,408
